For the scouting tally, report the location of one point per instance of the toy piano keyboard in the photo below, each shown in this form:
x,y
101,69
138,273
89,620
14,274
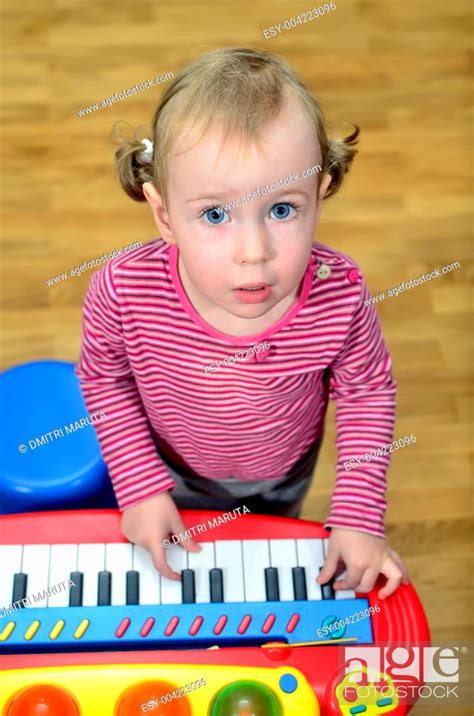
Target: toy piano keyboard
x,y
250,591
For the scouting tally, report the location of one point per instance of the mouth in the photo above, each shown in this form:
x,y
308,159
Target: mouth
x,y
253,292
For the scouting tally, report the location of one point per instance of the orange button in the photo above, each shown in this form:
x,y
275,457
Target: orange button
x,y
155,697
42,700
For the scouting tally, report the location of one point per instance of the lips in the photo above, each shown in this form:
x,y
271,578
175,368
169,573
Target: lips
x,y
251,286
253,292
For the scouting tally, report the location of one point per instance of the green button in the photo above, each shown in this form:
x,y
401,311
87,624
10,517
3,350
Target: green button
x,y
244,697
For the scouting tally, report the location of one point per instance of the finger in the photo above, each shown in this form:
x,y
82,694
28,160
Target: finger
x,y
353,577
394,576
369,577
329,568
186,541
399,561
190,545
158,556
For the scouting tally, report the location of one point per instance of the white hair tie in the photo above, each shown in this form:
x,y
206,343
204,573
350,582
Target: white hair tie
x,y
147,153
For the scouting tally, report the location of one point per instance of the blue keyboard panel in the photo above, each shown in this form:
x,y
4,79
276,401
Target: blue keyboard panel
x,y
181,626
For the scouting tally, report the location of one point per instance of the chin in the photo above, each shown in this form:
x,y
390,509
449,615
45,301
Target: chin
x,y
250,311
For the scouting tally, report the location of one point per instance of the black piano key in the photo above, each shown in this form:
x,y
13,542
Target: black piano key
x,y
216,583
19,587
133,581
327,590
104,589
271,584
189,588
299,584
75,593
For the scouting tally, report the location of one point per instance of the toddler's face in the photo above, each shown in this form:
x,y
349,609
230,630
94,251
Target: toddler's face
x,y
247,259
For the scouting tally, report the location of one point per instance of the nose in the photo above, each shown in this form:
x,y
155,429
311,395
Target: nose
x,y
252,244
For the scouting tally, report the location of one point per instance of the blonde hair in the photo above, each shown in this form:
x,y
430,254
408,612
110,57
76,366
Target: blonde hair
x,y
243,89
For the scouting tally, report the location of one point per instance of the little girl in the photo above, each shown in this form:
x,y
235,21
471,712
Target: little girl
x,y
213,350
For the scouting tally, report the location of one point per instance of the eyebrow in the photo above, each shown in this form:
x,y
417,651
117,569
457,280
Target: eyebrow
x,y
207,197
220,197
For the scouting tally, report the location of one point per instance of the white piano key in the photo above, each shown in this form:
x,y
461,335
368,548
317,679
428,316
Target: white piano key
x,y
229,558
62,561
311,556
90,561
344,593
10,564
35,563
149,580
118,561
256,560
171,591
202,562
283,557
339,593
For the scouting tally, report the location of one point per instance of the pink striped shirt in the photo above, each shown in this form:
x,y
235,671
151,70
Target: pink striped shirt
x,y
143,358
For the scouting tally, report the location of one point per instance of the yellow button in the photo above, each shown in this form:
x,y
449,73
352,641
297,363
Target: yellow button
x,y
323,271
81,629
57,629
32,629
7,631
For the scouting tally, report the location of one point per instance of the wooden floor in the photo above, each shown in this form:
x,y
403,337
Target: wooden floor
x,y
399,69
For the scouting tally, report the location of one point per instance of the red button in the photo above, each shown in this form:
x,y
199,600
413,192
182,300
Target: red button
x,y
354,276
122,628
172,624
268,623
196,625
244,624
276,650
147,627
220,624
291,626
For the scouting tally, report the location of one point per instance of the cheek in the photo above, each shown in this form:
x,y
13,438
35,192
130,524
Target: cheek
x,y
291,271
295,253
205,267
293,263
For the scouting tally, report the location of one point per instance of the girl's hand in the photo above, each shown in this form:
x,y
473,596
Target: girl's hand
x,y
149,522
365,557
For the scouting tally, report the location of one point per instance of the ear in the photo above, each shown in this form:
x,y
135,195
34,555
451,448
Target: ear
x,y
159,211
323,187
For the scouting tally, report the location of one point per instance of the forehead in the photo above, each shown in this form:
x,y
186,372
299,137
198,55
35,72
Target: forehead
x,y
288,137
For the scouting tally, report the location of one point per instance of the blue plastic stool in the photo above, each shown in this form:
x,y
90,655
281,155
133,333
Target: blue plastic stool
x,y
48,458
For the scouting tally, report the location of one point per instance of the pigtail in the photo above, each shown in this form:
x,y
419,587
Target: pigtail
x,y
133,168
340,155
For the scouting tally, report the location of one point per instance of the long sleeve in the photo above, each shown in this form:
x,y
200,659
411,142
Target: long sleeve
x,y
107,382
361,383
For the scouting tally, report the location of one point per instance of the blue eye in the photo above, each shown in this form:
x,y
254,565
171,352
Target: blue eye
x,y
282,211
214,215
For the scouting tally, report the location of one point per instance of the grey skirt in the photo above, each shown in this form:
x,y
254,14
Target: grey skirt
x,y
281,496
